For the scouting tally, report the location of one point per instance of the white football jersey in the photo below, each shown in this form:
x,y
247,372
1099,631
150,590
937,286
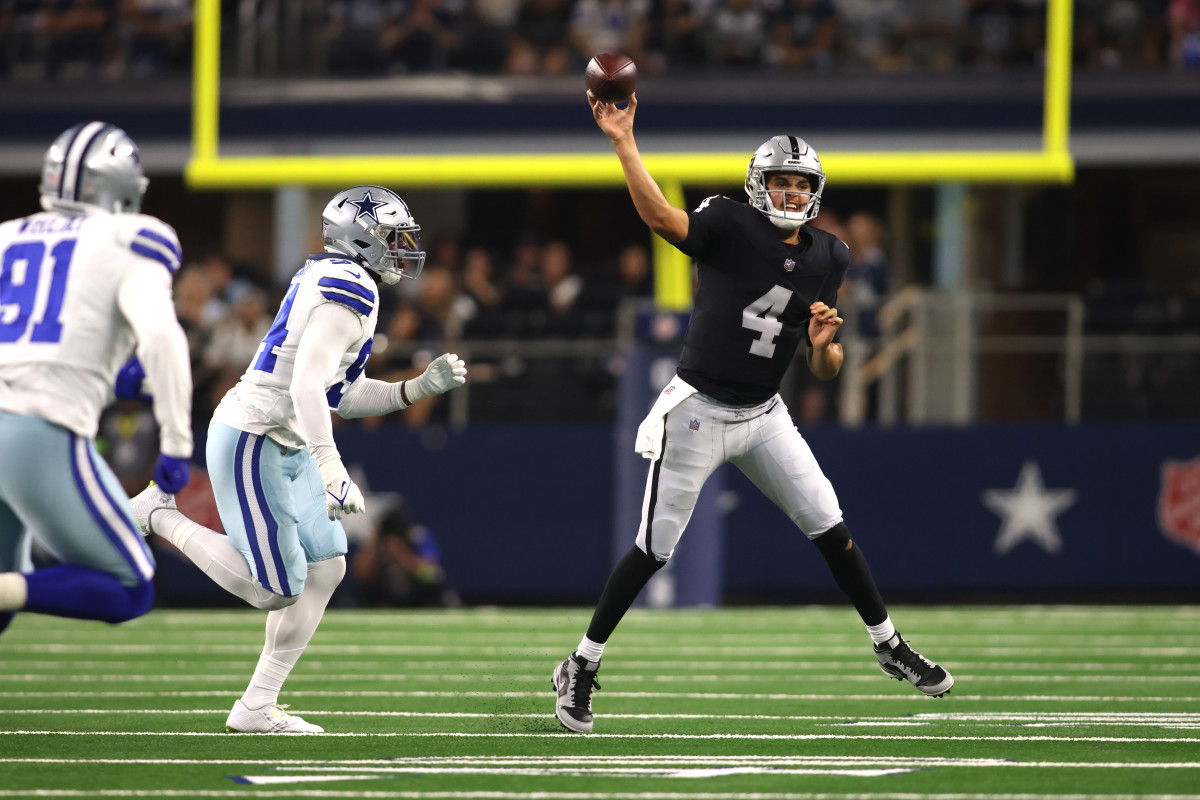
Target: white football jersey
x,y
261,402
63,336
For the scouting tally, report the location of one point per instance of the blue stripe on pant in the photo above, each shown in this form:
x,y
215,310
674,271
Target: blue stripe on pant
x,y
257,518
86,522
272,504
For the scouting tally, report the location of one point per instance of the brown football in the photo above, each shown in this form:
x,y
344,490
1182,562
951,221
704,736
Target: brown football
x,y
611,77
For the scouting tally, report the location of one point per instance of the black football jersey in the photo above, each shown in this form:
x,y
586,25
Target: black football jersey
x,y
750,311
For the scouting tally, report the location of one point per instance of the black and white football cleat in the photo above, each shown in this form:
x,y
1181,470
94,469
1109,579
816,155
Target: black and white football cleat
x,y
899,661
574,679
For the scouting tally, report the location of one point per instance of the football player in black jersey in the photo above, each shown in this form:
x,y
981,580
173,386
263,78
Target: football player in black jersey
x,y
767,282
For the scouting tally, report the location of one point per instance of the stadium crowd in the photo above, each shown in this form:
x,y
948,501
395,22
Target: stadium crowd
x,y
353,38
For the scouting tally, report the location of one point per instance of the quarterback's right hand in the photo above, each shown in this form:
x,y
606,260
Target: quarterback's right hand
x,y
341,494
617,123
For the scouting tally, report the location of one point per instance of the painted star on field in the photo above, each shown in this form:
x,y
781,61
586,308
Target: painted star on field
x,y
1029,511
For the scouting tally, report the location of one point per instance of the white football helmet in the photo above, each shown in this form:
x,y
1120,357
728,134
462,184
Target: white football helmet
x,y
373,226
784,154
93,164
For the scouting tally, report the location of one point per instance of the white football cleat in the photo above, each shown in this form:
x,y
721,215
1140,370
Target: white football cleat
x,y
150,500
268,719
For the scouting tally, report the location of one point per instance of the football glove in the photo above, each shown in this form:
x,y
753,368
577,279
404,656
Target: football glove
x,y
444,373
171,474
129,382
342,496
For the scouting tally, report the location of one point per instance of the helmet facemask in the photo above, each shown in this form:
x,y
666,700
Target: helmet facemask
x,y
403,257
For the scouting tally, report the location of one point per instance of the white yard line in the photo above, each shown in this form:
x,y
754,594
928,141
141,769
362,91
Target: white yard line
x,y
620,760
898,696
496,795
1001,718
472,677
690,736
12,645
618,665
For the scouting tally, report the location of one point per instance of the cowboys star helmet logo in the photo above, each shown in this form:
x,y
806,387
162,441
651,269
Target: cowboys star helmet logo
x,y
366,207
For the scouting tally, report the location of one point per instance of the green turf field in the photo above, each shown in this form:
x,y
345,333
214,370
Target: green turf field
x,y
1051,702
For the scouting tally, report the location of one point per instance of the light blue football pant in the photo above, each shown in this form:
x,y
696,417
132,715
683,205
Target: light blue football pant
x,y
272,503
55,486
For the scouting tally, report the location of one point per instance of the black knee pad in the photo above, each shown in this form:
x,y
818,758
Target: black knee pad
x,y
833,541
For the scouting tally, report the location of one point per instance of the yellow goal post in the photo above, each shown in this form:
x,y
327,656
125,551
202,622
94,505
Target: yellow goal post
x,y
208,169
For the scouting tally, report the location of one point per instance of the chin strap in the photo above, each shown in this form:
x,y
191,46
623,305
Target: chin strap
x,y
786,225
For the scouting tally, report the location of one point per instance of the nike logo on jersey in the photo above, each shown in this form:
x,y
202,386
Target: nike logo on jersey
x,y
355,274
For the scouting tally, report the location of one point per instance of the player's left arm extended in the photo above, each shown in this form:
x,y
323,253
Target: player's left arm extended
x,y
367,397
144,298
824,354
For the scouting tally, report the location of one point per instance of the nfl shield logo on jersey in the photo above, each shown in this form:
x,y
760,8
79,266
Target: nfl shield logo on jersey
x,y
1179,502
694,425
789,264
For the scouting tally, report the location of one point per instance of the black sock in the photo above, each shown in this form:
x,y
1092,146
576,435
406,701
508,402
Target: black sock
x,y
627,579
851,572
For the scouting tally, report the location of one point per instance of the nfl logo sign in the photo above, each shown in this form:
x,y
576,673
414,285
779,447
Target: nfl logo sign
x,y
1179,502
694,425
789,264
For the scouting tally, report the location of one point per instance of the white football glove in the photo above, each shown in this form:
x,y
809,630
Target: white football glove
x,y
444,373
341,494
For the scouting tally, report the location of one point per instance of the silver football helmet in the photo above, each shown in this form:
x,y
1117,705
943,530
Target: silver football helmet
x,y
374,226
93,164
784,154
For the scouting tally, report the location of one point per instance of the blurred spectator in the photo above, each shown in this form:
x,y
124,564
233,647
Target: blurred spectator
x,y
22,38
802,36
236,337
401,566
931,32
156,34
739,30
478,302
870,35
867,278
352,36
436,305
633,272
563,287
1183,19
524,298
539,43
992,32
609,26
78,37
421,38
679,35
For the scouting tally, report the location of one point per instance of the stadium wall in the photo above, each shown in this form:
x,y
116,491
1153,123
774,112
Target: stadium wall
x,y
525,514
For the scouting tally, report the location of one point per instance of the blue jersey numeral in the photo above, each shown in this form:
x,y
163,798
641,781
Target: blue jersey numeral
x,y
334,395
274,338
23,295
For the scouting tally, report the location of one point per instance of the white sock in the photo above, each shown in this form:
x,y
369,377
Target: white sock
x,y
289,631
883,631
589,649
214,555
13,591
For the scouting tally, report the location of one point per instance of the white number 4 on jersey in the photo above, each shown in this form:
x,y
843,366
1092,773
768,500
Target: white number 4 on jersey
x,y
763,316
